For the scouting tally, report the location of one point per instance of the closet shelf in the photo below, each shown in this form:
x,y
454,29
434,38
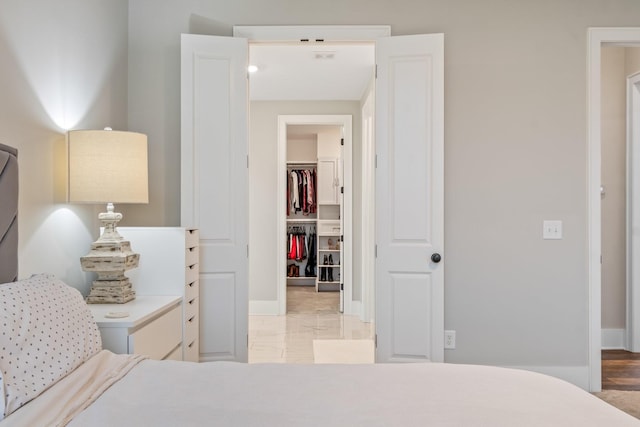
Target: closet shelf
x,y
329,265
329,234
301,163
301,220
329,250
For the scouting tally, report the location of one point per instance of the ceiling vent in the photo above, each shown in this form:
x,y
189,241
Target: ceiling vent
x,y
330,54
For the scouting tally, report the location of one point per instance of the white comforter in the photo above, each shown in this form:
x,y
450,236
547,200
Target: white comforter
x,y
232,394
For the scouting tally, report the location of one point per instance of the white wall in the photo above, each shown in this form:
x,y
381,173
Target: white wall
x,y
64,66
263,185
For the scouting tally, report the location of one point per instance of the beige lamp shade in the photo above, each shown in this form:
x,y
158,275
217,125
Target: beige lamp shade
x,y
107,166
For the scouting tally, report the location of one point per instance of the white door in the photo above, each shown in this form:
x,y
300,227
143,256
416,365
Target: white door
x,y
409,198
215,186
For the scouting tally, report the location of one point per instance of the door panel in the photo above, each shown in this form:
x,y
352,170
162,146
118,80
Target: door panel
x,y
409,198
215,185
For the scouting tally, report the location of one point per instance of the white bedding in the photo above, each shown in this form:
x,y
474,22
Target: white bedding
x,y
166,393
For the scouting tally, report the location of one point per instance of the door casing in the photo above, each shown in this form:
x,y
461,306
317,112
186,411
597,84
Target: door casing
x,y
332,120
596,38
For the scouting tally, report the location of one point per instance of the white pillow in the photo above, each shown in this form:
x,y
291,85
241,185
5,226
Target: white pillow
x,y
46,331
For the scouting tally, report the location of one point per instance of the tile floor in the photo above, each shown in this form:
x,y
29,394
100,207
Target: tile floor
x,y
310,315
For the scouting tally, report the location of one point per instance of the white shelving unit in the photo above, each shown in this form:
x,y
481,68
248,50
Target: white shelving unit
x,y
330,258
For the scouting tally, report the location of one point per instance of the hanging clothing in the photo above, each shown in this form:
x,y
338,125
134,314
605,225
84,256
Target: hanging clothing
x,y
310,269
298,249
301,188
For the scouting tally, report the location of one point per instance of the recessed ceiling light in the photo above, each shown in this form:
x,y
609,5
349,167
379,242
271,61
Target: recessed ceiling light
x,y
252,68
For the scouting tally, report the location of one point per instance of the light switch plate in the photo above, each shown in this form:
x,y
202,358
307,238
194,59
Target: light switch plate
x,y
552,229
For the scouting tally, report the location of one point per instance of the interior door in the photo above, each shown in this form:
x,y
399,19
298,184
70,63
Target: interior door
x,y
214,187
409,198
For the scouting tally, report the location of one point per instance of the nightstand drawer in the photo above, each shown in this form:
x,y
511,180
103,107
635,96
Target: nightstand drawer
x,y
160,337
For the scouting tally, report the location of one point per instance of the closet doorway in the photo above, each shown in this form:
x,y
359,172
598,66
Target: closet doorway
x,y
218,179
320,146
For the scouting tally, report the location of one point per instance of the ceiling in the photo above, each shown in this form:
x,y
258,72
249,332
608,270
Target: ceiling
x,y
315,71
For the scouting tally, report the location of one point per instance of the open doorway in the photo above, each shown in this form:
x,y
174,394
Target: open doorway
x,y
601,275
319,133
215,169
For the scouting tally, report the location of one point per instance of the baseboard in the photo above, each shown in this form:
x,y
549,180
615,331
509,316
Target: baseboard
x,y
577,375
356,308
263,308
614,339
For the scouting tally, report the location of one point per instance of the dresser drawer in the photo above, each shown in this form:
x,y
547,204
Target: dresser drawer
x,y
192,238
191,329
191,273
160,337
192,255
190,308
192,290
191,351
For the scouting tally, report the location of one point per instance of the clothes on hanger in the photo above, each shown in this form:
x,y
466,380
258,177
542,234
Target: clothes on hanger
x,y
301,191
310,269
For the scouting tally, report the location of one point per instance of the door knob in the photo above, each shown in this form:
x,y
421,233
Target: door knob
x,y
436,258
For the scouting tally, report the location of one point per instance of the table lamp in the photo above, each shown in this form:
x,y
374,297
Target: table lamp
x,y
107,166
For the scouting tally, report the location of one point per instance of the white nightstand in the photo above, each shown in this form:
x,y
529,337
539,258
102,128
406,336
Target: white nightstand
x,y
152,327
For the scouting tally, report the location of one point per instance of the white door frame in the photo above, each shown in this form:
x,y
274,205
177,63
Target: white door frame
x,y
596,38
633,213
317,34
345,121
368,221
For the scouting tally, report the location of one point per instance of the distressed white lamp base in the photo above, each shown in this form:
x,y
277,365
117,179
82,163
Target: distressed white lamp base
x,y
110,257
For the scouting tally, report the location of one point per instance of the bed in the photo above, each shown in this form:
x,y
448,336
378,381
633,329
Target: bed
x,y
54,372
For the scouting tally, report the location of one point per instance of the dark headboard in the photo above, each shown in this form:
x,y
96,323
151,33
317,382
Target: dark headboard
x,y
8,214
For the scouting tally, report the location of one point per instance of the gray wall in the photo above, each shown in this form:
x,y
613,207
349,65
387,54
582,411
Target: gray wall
x,y
617,64
64,66
263,188
515,149
515,139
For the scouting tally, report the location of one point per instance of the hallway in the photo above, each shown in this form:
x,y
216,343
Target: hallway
x,y
620,370
311,316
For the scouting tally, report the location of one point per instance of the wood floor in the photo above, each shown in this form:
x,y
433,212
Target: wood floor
x,y
620,370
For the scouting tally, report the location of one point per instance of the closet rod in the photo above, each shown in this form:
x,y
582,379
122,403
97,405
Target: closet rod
x,y
302,163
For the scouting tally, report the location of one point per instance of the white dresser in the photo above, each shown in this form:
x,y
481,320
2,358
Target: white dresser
x,y
169,266
149,325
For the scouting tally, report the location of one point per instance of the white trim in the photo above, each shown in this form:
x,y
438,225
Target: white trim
x,y
614,339
576,375
312,33
356,310
263,308
596,37
633,213
339,120
368,224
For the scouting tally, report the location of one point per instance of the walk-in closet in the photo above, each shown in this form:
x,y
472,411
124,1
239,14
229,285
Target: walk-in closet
x,y
314,207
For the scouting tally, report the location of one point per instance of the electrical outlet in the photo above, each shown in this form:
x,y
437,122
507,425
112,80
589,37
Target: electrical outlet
x,y
450,339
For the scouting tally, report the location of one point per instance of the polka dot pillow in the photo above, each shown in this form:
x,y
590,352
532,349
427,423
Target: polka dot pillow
x,y
46,331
